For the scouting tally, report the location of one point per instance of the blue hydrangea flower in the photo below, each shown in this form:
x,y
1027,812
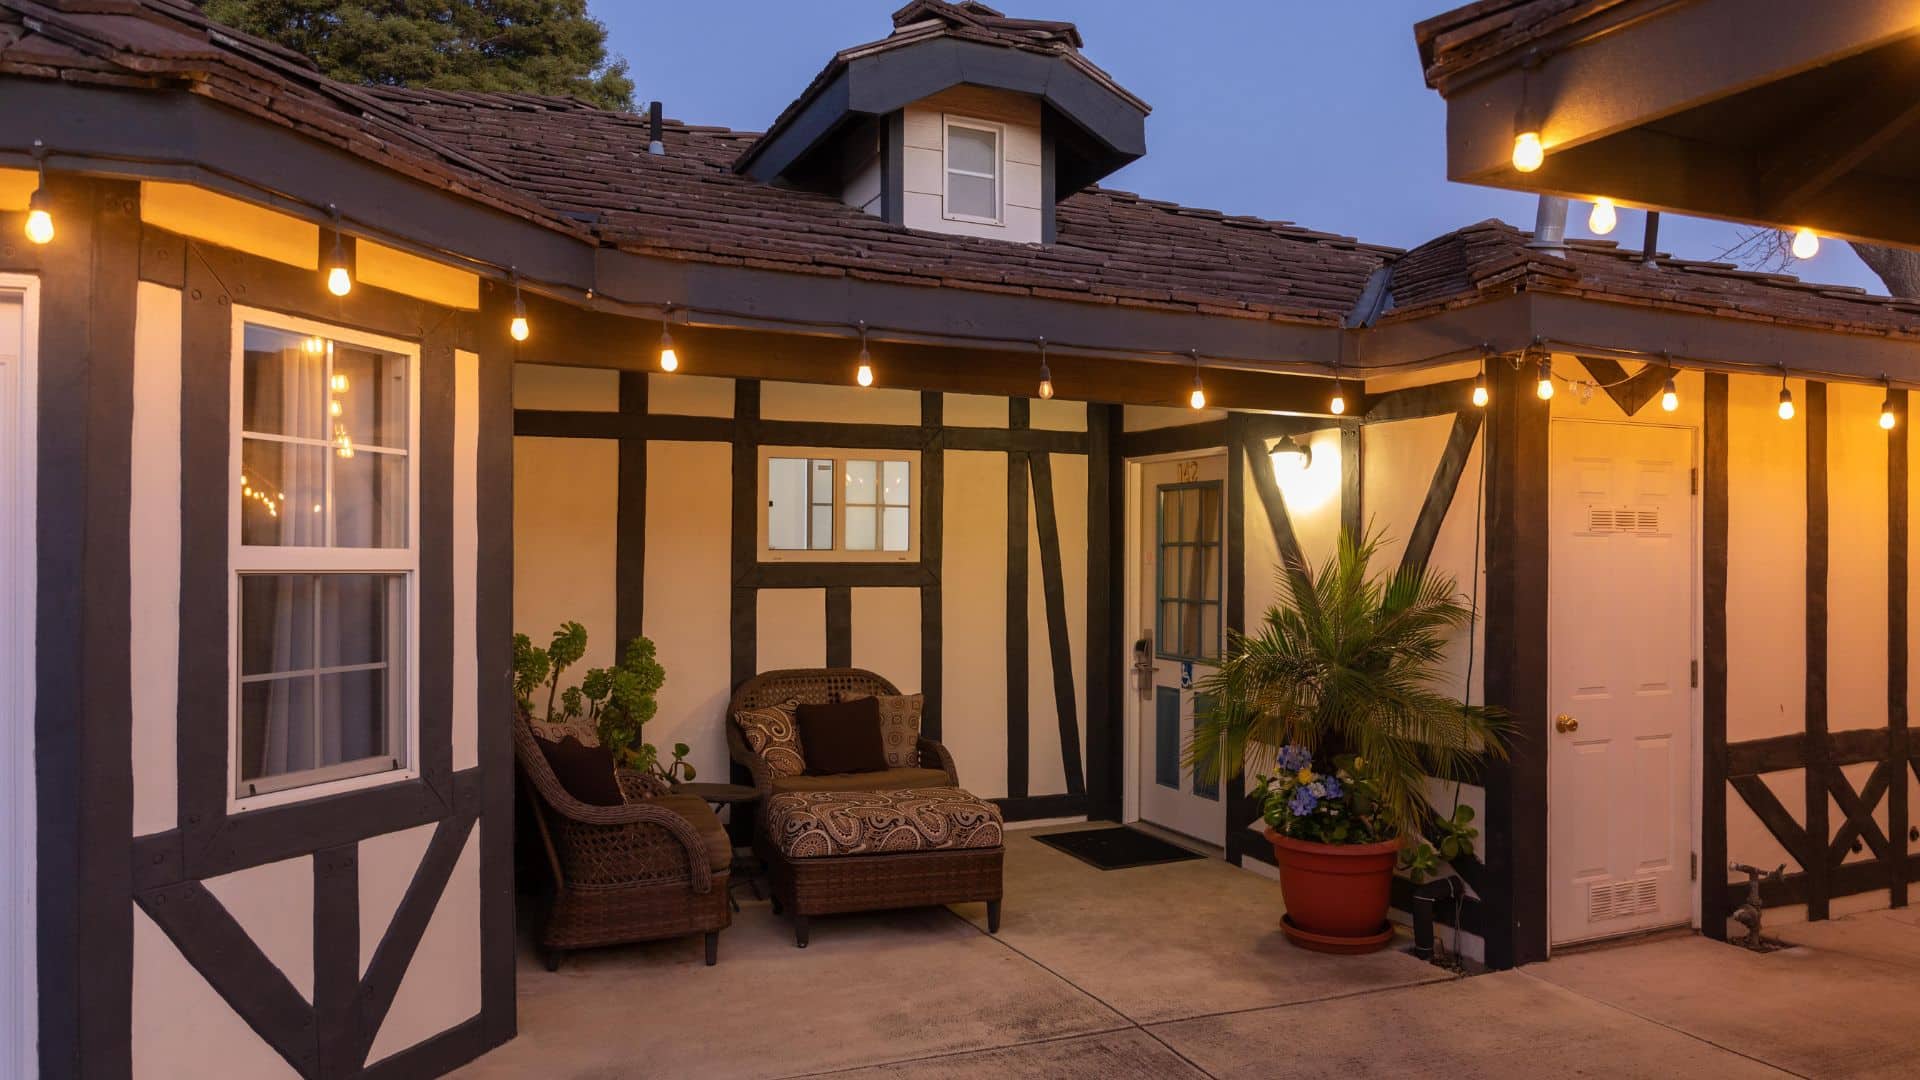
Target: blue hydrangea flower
x,y
1294,758
1302,803
1332,784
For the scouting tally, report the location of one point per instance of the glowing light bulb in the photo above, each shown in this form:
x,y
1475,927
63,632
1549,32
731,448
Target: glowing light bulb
x,y
1887,419
339,282
335,408
669,358
1527,151
1480,395
1197,399
39,226
1786,404
1670,397
1046,385
339,384
864,376
518,328
1545,387
1603,218
1339,403
1806,244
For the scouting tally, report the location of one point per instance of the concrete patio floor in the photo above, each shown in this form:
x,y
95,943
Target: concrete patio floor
x,y
1180,971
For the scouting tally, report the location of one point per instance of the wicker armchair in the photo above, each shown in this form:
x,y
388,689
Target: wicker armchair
x,y
625,873
818,686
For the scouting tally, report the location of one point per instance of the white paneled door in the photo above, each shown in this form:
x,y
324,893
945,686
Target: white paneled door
x,y
1621,699
1180,626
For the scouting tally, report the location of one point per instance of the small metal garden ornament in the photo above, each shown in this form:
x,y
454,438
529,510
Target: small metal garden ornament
x,y
1748,913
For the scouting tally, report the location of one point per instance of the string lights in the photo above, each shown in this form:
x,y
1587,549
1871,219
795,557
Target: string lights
x,y
1670,396
864,373
1338,405
1480,395
1544,387
1197,399
1887,419
1528,154
40,204
518,327
339,279
669,358
1806,243
1786,396
1046,376
1603,218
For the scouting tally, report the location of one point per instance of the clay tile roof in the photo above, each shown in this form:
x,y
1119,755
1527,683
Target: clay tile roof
x,y
1466,36
1492,258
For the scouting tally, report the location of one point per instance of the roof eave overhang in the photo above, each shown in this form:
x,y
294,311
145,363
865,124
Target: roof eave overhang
x,y
1594,89
881,82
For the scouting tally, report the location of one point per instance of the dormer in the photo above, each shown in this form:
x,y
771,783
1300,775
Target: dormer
x,y
962,121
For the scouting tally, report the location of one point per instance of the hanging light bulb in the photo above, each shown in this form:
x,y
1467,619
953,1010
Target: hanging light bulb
x,y
40,204
1527,151
1046,375
1602,219
1480,395
1545,386
864,373
339,280
1806,243
1339,403
1786,396
518,327
1289,456
669,358
1670,397
1197,399
1887,419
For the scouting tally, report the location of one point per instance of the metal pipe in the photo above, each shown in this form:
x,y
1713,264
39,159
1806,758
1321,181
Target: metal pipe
x,y
1550,226
655,145
1651,245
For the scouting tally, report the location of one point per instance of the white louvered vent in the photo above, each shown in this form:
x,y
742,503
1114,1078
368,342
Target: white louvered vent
x,y
1622,899
1623,519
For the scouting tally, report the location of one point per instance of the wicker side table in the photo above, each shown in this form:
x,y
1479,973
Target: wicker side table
x,y
741,797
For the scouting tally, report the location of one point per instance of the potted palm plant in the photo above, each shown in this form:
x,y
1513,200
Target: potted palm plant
x,y
1334,702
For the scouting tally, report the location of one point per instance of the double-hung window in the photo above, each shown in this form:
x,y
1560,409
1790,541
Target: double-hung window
x,y
972,186
324,550
838,505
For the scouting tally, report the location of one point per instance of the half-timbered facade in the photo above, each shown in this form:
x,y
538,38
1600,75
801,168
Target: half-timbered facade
x,y
220,460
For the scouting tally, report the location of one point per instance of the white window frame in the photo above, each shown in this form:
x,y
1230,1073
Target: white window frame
x,y
948,122
839,552
243,559
19,945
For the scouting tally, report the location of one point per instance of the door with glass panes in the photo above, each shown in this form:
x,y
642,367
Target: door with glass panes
x,y
1181,621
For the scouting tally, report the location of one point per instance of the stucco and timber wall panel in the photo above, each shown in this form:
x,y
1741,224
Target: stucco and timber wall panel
x,y
1045,768
1149,417
1766,566
154,525
793,628
441,988
689,395
181,1025
576,389
689,581
886,638
973,619
1857,570
565,529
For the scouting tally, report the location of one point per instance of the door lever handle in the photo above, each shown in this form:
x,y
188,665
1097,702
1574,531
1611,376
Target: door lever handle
x,y
1565,724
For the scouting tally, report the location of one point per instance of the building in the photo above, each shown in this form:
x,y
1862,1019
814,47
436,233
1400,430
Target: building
x,y
252,834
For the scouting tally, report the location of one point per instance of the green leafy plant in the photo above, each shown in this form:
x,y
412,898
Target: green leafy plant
x,y
1349,664
616,701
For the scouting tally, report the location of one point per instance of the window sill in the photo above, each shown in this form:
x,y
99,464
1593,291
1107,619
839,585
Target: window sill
x,y
308,792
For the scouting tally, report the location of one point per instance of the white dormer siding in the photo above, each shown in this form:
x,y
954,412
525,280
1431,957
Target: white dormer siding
x,y
1013,121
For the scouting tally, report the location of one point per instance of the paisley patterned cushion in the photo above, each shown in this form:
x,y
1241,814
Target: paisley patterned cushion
x,y
770,732
900,728
812,824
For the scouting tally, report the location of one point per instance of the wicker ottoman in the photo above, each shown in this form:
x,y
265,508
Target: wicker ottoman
x,y
843,851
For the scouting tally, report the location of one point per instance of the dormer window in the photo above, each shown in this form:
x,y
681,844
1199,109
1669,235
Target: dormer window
x,y
973,171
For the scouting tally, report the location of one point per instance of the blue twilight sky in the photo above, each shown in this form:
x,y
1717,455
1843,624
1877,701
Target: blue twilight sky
x,y
1292,109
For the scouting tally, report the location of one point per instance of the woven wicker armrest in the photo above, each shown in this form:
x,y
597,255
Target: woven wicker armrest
x,y
534,766
933,755
744,756
637,786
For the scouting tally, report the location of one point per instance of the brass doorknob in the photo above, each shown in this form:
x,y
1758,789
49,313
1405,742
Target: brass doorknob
x,y
1564,724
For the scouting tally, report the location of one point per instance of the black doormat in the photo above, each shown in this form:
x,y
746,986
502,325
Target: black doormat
x,y
1118,848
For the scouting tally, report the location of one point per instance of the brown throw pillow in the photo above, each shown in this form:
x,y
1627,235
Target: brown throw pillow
x,y
842,737
585,771
900,728
770,733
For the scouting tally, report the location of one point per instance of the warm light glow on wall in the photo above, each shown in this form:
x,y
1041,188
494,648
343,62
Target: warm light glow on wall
x,y
1316,482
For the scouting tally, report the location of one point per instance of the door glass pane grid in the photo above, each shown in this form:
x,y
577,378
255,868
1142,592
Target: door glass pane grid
x,y
1187,581
323,444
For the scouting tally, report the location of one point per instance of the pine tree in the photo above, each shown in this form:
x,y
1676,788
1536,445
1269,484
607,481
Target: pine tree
x,y
525,46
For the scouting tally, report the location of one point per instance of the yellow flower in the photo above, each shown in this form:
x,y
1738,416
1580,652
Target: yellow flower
x,y
1305,776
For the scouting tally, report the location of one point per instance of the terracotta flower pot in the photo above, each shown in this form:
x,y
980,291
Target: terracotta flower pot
x,y
1336,894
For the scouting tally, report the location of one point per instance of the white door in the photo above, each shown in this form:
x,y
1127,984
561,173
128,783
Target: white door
x,y
17,543
1180,624
1621,745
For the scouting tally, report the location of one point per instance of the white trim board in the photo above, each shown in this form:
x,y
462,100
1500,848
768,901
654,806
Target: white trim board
x,y
19,396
